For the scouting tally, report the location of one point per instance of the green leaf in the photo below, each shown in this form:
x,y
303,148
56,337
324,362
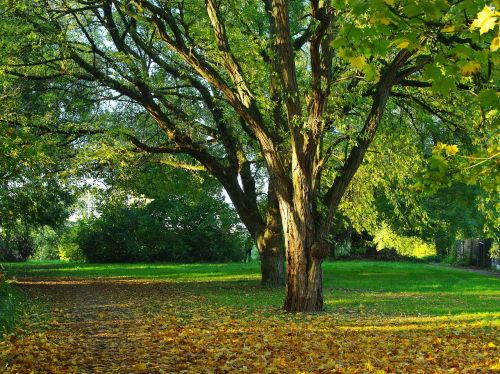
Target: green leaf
x,y
489,98
444,85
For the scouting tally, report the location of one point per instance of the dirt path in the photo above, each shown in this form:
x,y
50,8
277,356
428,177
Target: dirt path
x,y
491,273
97,325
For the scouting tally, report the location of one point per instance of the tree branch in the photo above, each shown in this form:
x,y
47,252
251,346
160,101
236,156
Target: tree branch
x,y
334,194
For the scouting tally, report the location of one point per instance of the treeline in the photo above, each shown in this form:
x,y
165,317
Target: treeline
x,y
159,214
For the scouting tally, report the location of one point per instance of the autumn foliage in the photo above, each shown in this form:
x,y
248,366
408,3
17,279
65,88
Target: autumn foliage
x,y
121,325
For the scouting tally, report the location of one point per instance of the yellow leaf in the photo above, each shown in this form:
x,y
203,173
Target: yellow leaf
x,y
470,68
404,44
495,366
452,149
378,19
485,21
342,53
448,29
495,44
140,367
438,147
491,345
358,62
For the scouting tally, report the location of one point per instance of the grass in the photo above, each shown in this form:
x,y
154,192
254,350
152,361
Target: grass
x,y
386,316
350,287
19,313
10,307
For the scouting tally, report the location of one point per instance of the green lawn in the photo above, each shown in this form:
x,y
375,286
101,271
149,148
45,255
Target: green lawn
x,y
351,287
380,317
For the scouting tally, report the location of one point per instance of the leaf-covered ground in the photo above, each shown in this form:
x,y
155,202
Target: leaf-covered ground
x,y
207,319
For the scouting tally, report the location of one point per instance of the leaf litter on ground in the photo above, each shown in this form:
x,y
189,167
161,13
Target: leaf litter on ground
x,y
118,325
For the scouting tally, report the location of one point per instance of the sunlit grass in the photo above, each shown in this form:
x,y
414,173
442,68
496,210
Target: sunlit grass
x,y
399,317
350,287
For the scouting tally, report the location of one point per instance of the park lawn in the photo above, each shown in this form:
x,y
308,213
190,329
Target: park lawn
x,y
366,287
384,316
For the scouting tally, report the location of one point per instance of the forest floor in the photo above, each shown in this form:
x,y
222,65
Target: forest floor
x,y
164,318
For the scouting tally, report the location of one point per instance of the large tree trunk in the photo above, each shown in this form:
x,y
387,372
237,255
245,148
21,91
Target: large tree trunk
x,y
269,243
272,266
305,239
266,234
305,248
304,285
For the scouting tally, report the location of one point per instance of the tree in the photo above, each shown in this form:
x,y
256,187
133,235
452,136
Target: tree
x,y
263,224
32,194
162,214
413,187
301,86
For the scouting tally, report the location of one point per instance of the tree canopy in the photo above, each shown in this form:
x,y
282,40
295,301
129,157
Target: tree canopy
x,y
299,87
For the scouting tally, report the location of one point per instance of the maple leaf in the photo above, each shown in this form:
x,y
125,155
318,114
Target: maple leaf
x,y
438,147
140,367
495,44
486,20
380,19
358,62
470,68
403,44
448,29
452,149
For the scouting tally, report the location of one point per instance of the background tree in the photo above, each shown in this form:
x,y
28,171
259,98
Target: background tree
x,y
32,194
301,86
161,214
412,185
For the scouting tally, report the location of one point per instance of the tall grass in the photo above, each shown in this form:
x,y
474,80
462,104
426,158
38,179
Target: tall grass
x,y
9,306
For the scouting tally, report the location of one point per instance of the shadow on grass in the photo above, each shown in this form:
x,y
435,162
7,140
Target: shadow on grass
x,y
352,288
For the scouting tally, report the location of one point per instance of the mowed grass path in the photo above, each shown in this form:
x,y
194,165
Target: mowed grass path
x,y
385,317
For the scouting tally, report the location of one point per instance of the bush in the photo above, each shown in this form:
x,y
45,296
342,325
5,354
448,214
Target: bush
x,y
451,257
45,243
113,237
18,246
128,234
407,246
67,247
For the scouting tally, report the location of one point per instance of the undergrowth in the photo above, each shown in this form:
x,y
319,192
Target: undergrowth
x,y
10,307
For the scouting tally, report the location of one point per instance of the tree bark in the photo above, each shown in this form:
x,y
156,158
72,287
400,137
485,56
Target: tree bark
x,y
272,266
305,250
304,285
269,243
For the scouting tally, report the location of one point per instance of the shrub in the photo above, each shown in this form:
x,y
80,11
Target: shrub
x,y
127,234
112,237
67,247
17,247
45,243
409,246
452,256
